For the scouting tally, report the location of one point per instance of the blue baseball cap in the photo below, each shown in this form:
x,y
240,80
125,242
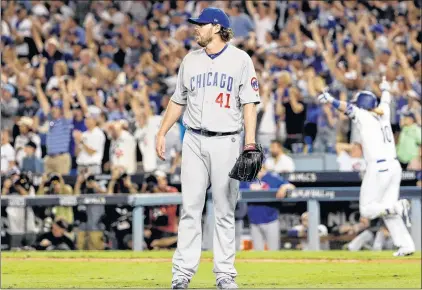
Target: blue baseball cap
x,y
409,114
377,28
9,88
327,22
386,51
294,6
158,6
212,15
110,42
57,104
297,56
6,40
346,41
284,56
106,55
79,43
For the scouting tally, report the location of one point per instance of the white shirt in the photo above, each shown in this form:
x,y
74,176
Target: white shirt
x,y
146,142
322,232
95,140
20,143
39,10
262,26
53,82
349,163
375,131
23,29
7,155
5,31
283,164
268,125
118,18
381,42
123,152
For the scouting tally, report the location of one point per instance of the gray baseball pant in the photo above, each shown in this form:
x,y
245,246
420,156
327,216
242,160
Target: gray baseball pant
x,y
205,161
266,233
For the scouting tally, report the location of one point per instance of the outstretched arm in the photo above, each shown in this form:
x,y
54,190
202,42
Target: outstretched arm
x,y
348,109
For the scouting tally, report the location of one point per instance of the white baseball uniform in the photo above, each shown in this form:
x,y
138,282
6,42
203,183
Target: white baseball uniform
x,y
214,89
381,183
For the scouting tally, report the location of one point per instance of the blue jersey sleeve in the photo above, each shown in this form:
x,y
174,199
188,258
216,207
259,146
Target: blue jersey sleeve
x,y
244,185
274,180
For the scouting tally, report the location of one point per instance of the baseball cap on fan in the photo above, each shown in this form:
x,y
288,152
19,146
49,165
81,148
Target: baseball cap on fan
x,y
212,15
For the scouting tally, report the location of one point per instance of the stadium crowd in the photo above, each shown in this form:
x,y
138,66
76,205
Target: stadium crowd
x,y
84,85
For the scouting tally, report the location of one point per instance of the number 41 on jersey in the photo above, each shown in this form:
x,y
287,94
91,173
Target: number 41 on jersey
x,y
220,100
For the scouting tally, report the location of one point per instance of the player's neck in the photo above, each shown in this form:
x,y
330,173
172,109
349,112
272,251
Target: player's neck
x,y
215,47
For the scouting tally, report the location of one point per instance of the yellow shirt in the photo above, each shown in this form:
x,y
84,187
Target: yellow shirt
x,y
64,212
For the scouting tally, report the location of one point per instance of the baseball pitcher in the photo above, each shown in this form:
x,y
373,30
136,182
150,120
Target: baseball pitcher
x,y
218,88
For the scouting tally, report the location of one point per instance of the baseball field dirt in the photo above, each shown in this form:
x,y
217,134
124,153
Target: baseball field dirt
x,y
285,269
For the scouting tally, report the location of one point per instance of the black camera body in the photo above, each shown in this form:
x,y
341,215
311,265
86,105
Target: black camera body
x,y
159,218
151,182
24,181
53,177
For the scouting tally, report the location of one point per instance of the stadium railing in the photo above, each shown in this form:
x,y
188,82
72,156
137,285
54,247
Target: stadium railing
x,y
311,195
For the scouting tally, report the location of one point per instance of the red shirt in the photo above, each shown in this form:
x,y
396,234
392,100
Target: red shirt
x,y
170,211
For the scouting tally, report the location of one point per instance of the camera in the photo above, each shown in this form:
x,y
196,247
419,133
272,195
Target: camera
x,y
151,182
51,179
90,178
23,181
159,217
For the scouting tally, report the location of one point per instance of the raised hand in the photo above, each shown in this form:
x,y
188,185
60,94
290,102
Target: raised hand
x,y
384,85
325,98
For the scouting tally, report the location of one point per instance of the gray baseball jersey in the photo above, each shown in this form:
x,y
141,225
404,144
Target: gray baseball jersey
x,y
214,88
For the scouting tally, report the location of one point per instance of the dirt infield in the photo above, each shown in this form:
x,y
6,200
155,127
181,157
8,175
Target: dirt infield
x,y
240,260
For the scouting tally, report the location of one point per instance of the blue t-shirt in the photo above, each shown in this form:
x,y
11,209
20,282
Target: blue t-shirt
x,y
59,135
259,213
80,126
241,25
312,113
400,103
322,119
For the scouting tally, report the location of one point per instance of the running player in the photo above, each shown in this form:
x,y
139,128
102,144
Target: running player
x,y
380,188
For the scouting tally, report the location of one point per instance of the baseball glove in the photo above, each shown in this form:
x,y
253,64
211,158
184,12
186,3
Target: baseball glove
x,y
248,164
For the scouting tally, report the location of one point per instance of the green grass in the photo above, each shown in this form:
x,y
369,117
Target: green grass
x,y
127,273
240,255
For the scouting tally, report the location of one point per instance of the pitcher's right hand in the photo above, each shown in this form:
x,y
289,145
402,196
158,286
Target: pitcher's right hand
x,y
160,146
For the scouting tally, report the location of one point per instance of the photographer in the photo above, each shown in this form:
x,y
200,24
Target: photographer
x,y
90,235
55,239
118,218
161,230
87,184
121,182
53,184
19,184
